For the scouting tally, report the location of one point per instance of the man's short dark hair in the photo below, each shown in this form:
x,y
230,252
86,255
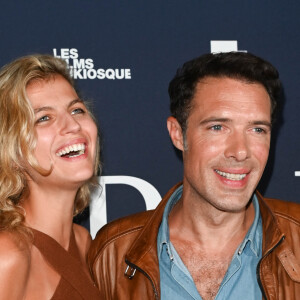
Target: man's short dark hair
x,y
236,65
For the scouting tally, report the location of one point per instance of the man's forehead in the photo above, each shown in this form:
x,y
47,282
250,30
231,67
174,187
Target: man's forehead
x,y
215,79
225,94
218,86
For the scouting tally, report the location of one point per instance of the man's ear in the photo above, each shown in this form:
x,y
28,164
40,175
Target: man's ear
x,y
175,132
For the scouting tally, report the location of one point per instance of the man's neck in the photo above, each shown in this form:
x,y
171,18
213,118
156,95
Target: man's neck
x,y
206,240
208,227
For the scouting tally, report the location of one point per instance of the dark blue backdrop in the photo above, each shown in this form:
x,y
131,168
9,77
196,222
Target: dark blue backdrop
x,y
151,39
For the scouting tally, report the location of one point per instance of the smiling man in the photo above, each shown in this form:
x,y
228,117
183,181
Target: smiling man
x,y
212,236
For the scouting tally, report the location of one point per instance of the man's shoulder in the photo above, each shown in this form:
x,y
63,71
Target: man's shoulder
x,y
287,210
123,230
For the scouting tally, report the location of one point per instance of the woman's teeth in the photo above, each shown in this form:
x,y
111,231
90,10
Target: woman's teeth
x,y
72,151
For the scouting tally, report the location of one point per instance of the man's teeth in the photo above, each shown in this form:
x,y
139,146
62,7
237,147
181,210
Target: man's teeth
x,y
231,176
78,148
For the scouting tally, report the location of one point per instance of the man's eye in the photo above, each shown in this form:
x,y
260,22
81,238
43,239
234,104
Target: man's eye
x,y
77,111
42,119
216,127
259,130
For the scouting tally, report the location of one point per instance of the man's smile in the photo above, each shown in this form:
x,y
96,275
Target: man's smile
x,y
231,176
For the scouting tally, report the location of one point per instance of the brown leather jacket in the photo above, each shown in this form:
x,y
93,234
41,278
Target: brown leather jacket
x,y
124,264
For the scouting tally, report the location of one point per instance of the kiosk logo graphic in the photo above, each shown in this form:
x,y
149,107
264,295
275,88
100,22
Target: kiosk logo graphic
x,y
84,68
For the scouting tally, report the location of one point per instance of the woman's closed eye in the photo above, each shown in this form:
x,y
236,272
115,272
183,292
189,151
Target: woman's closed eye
x,y
42,119
77,111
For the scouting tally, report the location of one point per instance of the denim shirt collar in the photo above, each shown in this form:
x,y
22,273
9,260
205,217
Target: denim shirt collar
x,y
164,236
253,236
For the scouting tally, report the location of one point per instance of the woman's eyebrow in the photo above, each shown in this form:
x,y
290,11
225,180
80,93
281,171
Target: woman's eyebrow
x,y
43,108
47,108
74,102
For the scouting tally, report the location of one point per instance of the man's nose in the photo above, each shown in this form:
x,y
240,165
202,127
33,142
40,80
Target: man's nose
x,y
68,124
237,146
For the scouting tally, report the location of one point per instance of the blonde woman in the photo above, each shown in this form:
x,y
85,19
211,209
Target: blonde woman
x,y
48,158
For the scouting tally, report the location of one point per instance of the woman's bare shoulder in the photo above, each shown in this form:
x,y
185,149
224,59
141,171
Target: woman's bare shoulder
x,y
83,238
14,249
15,257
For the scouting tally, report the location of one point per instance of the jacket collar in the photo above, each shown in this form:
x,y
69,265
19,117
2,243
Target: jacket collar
x,y
148,236
146,241
143,252
272,235
273,238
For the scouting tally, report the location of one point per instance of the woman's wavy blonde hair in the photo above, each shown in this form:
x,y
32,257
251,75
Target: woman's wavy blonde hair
x,y
18,139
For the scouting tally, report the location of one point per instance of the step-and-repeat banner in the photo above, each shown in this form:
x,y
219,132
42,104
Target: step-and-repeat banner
x,y
123,55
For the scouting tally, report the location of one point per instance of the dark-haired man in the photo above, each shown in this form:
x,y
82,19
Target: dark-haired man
x,y
212,236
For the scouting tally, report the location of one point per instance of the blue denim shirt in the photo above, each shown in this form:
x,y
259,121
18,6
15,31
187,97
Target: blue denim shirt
x,y
240,280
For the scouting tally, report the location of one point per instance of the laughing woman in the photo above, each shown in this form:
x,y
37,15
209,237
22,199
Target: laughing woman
x,y
48,158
